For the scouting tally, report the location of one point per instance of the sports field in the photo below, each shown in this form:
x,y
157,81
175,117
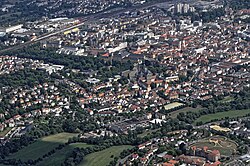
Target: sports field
x,y
221,115
42,146
103,157
173,105
223,144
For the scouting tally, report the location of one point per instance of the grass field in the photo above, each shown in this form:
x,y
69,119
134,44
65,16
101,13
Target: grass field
x,y
61,155
172,105
103,157
42,146
226,99
148,132
224,145
5,131
222,115
184,110
59,138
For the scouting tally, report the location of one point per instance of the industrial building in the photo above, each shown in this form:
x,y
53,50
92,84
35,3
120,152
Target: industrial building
x,y
10,29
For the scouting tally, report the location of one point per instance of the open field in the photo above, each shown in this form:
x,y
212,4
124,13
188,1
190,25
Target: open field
x,y
227,99
173,105
42,146
222,115
103,157
59,138
147,132
61,155
184,110
223,144
5,131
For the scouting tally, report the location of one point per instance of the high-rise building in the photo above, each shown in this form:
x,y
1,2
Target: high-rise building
x,y
185,8
192,9
178,8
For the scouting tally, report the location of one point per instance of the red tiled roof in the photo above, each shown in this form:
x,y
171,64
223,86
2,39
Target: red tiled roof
x,y
173,162
215,152
105,55
167,164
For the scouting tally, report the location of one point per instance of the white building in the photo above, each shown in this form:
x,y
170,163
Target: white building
x,y
11,28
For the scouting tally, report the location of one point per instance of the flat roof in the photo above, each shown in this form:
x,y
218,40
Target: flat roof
x,y
218,128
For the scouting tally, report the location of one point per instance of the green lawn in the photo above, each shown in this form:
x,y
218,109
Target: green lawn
x,y
222,115
185,110
41,146
103,157
147,132
227,99
61,155
59,138
5,131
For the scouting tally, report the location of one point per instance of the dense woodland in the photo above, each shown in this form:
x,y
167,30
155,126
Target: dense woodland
x,y
104,68
26,77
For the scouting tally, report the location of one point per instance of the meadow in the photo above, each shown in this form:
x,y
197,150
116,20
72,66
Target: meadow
x,y
103,158
59,157
185,110
222,115
42,146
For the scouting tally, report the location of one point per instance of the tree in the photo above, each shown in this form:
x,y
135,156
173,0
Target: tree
x,y
69,126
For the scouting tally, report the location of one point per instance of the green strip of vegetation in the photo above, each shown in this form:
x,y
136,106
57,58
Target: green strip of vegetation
x,y
226,99
222,115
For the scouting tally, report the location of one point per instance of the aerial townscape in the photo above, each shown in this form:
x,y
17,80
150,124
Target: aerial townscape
x,y
125,83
